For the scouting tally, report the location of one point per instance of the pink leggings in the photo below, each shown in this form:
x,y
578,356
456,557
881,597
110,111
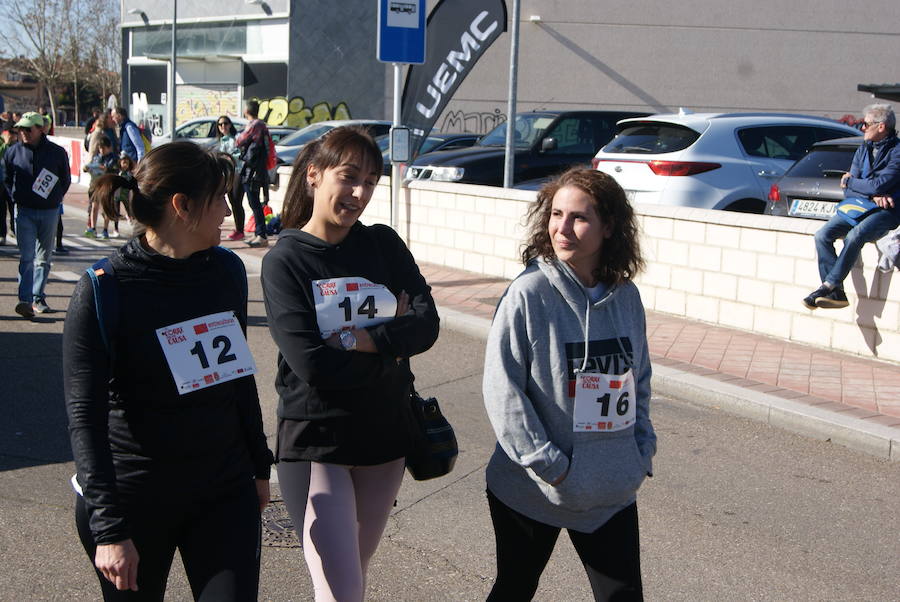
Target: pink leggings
x,y
343,511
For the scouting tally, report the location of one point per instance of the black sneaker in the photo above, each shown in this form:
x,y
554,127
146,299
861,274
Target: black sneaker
x,y
836,299
60,250
810,300
24,309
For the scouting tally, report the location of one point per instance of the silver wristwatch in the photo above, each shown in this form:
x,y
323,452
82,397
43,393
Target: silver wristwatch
x,y
348,340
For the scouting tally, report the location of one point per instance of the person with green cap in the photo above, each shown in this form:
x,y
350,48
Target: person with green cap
x,y
37,175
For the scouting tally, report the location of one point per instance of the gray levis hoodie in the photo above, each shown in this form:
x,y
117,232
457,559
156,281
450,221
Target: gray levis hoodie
x,y
543,325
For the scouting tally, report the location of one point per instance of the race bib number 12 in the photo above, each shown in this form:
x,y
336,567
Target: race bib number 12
x,y
353,302
206,351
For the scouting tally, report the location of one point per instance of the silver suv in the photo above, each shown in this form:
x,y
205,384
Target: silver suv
x,y
710,160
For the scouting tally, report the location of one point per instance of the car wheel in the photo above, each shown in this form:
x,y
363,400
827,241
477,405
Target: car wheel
x,y
748,206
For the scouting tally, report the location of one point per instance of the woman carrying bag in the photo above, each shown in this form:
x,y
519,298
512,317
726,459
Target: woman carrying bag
x,y
347,306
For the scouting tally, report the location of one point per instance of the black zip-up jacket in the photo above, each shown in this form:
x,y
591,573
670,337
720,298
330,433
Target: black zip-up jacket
x,y
134,438
337,406
25,162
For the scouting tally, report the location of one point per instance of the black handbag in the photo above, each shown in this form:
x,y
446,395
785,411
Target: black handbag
x,y
433,451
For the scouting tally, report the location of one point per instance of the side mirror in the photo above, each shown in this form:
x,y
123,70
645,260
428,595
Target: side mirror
x,y
548,144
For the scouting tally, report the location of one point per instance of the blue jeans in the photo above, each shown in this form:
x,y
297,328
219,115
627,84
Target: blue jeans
x,y
35,230
833,268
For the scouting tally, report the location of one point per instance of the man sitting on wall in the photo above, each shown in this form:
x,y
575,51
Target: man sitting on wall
x,y
874,175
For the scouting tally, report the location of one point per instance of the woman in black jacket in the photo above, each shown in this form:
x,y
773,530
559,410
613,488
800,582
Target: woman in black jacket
x,y
347,306
164,416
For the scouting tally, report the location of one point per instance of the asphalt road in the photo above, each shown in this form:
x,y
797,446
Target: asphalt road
x,y
736,510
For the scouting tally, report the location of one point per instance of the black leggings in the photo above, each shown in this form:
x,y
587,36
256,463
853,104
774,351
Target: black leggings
x,y
236,200
610,555
219,543
6,205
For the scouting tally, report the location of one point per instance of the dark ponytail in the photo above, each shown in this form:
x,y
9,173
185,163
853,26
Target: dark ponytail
x,y
327,151
104,192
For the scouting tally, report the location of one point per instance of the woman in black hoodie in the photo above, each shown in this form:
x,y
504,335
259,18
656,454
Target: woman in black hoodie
x,y
347,307
164,416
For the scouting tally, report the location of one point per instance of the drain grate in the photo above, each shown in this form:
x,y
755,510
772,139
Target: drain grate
x,y
278,528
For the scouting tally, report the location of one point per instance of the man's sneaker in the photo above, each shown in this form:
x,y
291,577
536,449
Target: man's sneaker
x,y
115,234
236,235
61,250
836,299
259,241
90,233
810,300
41,307
105,235
24,309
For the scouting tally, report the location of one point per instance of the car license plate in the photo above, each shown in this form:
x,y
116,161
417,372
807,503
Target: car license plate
x,y
811,208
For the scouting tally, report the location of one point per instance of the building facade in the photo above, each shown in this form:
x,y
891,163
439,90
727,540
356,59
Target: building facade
x,y
310,60
304,60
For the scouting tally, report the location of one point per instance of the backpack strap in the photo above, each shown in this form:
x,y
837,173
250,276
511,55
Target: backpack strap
x,y
106,300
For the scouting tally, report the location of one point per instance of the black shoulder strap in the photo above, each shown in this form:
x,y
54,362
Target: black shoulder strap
x,y
106,300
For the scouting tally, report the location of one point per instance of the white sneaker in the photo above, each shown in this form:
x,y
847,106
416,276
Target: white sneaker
x,y
259,241
115,234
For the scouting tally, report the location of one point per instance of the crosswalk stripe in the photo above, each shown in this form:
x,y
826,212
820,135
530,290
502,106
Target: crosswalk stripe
x,y
65,276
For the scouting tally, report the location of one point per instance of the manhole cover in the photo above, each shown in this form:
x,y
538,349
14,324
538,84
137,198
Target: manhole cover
x,y
278,528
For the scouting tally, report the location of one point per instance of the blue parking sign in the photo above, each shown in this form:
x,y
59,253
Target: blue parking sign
x,y
401,31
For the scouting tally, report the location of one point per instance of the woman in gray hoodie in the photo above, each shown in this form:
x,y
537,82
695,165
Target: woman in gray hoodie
x,y
567,391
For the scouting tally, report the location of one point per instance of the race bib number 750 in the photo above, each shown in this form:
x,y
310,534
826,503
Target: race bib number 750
x,y
44,183
206,351
352,302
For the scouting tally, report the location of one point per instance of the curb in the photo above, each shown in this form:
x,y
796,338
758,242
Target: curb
x,y
803,419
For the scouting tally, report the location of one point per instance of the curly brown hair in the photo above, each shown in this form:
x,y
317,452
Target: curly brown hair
x,y
620,257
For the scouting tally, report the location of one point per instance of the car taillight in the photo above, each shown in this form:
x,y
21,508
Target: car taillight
x,y
774,193
595,162
681,168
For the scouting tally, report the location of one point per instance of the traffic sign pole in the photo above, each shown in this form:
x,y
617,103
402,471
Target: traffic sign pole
x,y
401,40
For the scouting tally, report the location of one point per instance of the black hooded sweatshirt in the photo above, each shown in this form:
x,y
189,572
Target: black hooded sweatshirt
x,y
336,406
134,438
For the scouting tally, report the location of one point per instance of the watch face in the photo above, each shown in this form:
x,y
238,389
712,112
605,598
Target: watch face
x,y
348,340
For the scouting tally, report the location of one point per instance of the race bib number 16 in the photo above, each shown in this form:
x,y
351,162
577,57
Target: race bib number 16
x,y
352,302
206,351
604,402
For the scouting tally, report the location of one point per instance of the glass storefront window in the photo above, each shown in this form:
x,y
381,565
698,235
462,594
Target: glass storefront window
x,y
191,40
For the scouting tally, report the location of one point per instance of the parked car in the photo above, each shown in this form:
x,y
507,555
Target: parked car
x,y
290,146
435,141
280,132
201,130
812,186
546,142
710,160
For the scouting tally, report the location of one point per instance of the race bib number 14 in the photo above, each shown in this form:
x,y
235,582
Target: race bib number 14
x,y
353,302
206,351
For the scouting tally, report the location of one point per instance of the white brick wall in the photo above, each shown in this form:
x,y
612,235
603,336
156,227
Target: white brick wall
x,y
744,271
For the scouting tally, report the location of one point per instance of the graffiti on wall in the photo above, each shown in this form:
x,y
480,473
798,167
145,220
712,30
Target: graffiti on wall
x,y
205,100
293,112
476,122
